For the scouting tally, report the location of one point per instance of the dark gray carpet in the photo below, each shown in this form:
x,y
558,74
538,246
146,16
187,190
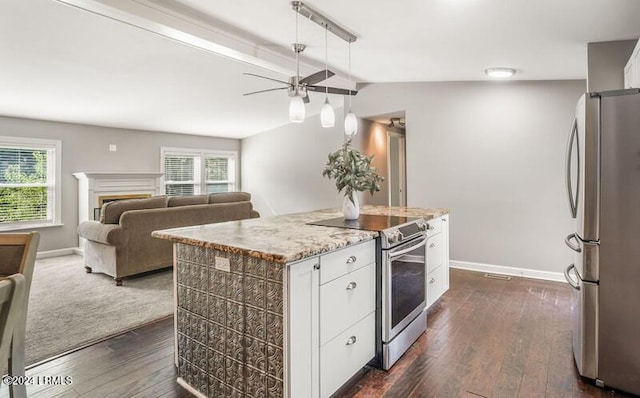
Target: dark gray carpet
x,y
69,308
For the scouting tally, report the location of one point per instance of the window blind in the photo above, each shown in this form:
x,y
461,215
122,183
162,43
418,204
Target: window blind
x,y
219,174
26,184
188,172
180,174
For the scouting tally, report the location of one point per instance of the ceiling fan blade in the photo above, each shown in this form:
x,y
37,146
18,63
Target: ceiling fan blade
x,y
317,77
268,78
264,91
331,90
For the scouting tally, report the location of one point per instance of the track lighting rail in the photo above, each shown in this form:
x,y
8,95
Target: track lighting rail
x,y
315,16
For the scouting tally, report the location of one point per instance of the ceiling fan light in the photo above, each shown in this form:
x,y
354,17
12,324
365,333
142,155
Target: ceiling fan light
x,y
327,115
350,124
296,110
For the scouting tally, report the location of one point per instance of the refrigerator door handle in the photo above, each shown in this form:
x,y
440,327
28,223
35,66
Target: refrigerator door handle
x,y
573,202
567,240
574,284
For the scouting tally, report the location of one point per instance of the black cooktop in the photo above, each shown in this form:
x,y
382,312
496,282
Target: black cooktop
x,y
367,222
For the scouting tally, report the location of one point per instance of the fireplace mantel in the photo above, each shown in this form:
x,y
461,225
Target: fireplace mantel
x,y
93,185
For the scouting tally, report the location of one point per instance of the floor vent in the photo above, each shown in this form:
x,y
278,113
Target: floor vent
x,y
497,276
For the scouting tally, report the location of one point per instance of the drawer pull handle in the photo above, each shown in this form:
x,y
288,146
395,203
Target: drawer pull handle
x,y
351,340
432,280
352,285
351,260
432,245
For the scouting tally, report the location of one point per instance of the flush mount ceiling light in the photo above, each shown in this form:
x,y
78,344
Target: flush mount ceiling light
x,y
500,72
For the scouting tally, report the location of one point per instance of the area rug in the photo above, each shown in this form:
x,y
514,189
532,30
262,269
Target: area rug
x,y
69,308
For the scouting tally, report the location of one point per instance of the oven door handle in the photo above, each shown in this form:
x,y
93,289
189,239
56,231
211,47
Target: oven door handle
x,y
393,254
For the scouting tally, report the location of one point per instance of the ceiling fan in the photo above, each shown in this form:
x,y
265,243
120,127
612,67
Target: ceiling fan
x,y
299,86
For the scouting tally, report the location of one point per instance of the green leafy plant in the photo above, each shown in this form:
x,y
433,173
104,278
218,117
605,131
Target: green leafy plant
x,y
352,171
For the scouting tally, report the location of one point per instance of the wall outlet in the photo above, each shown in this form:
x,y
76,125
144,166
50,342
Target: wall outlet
x,y
222,264
113,147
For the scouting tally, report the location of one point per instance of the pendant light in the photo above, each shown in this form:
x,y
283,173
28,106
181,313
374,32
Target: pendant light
x,y
296,106
350,121
327,115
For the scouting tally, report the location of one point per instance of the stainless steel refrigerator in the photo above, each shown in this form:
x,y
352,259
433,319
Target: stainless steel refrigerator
x,y
603,186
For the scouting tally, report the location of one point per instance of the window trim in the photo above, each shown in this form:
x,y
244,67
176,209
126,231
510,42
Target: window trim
x,y
201,183
56,162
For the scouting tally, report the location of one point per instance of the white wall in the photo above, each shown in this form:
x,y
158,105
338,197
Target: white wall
x,y
86,148
282,168
492,152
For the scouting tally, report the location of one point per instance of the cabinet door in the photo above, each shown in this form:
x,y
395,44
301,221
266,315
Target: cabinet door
x,y
445,252
302,329
629,73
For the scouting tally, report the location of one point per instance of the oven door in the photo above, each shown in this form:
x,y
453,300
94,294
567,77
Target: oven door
x,y
403,286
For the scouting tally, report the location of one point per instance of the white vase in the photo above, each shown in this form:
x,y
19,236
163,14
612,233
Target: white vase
x,y
350,209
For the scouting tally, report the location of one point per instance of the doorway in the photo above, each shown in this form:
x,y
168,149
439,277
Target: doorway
x,y
397,165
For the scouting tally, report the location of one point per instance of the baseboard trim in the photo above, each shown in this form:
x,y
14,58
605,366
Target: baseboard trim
x,y
58,252
512,271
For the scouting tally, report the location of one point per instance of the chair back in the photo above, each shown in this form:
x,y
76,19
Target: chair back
x,y
18,255
12,296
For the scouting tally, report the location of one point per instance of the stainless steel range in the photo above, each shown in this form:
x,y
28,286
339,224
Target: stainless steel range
x,y
401,283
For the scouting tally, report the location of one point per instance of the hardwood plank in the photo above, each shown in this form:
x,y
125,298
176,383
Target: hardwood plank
x,y
485,338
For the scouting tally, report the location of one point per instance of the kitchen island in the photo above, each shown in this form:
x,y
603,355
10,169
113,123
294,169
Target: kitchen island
x,y
248,319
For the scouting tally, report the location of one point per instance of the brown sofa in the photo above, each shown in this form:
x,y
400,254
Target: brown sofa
x,y
121,245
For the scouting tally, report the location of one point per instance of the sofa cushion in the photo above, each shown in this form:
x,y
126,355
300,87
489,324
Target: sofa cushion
x,y
229,197
188,200
111,211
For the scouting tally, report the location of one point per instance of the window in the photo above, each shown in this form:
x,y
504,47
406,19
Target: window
x,y
192,172
29,183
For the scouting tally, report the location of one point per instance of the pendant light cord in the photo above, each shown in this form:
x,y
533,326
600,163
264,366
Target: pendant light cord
x,y
349,76
297,54
326,63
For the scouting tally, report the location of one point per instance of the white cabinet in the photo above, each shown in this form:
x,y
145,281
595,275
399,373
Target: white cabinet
x,y
437,259
347,353
346,300
302,333
330,320
632,69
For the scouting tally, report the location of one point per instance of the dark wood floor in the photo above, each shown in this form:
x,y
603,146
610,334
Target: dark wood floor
x,y
486,338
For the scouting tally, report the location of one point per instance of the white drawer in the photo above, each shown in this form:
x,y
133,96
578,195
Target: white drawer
x,y
435,284
434,226
335,264
343,356
434,252
345,300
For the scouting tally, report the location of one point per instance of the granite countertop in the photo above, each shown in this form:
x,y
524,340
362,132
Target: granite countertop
x,y
286,238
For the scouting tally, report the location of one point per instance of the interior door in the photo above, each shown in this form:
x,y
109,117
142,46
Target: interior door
x,y
396,159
